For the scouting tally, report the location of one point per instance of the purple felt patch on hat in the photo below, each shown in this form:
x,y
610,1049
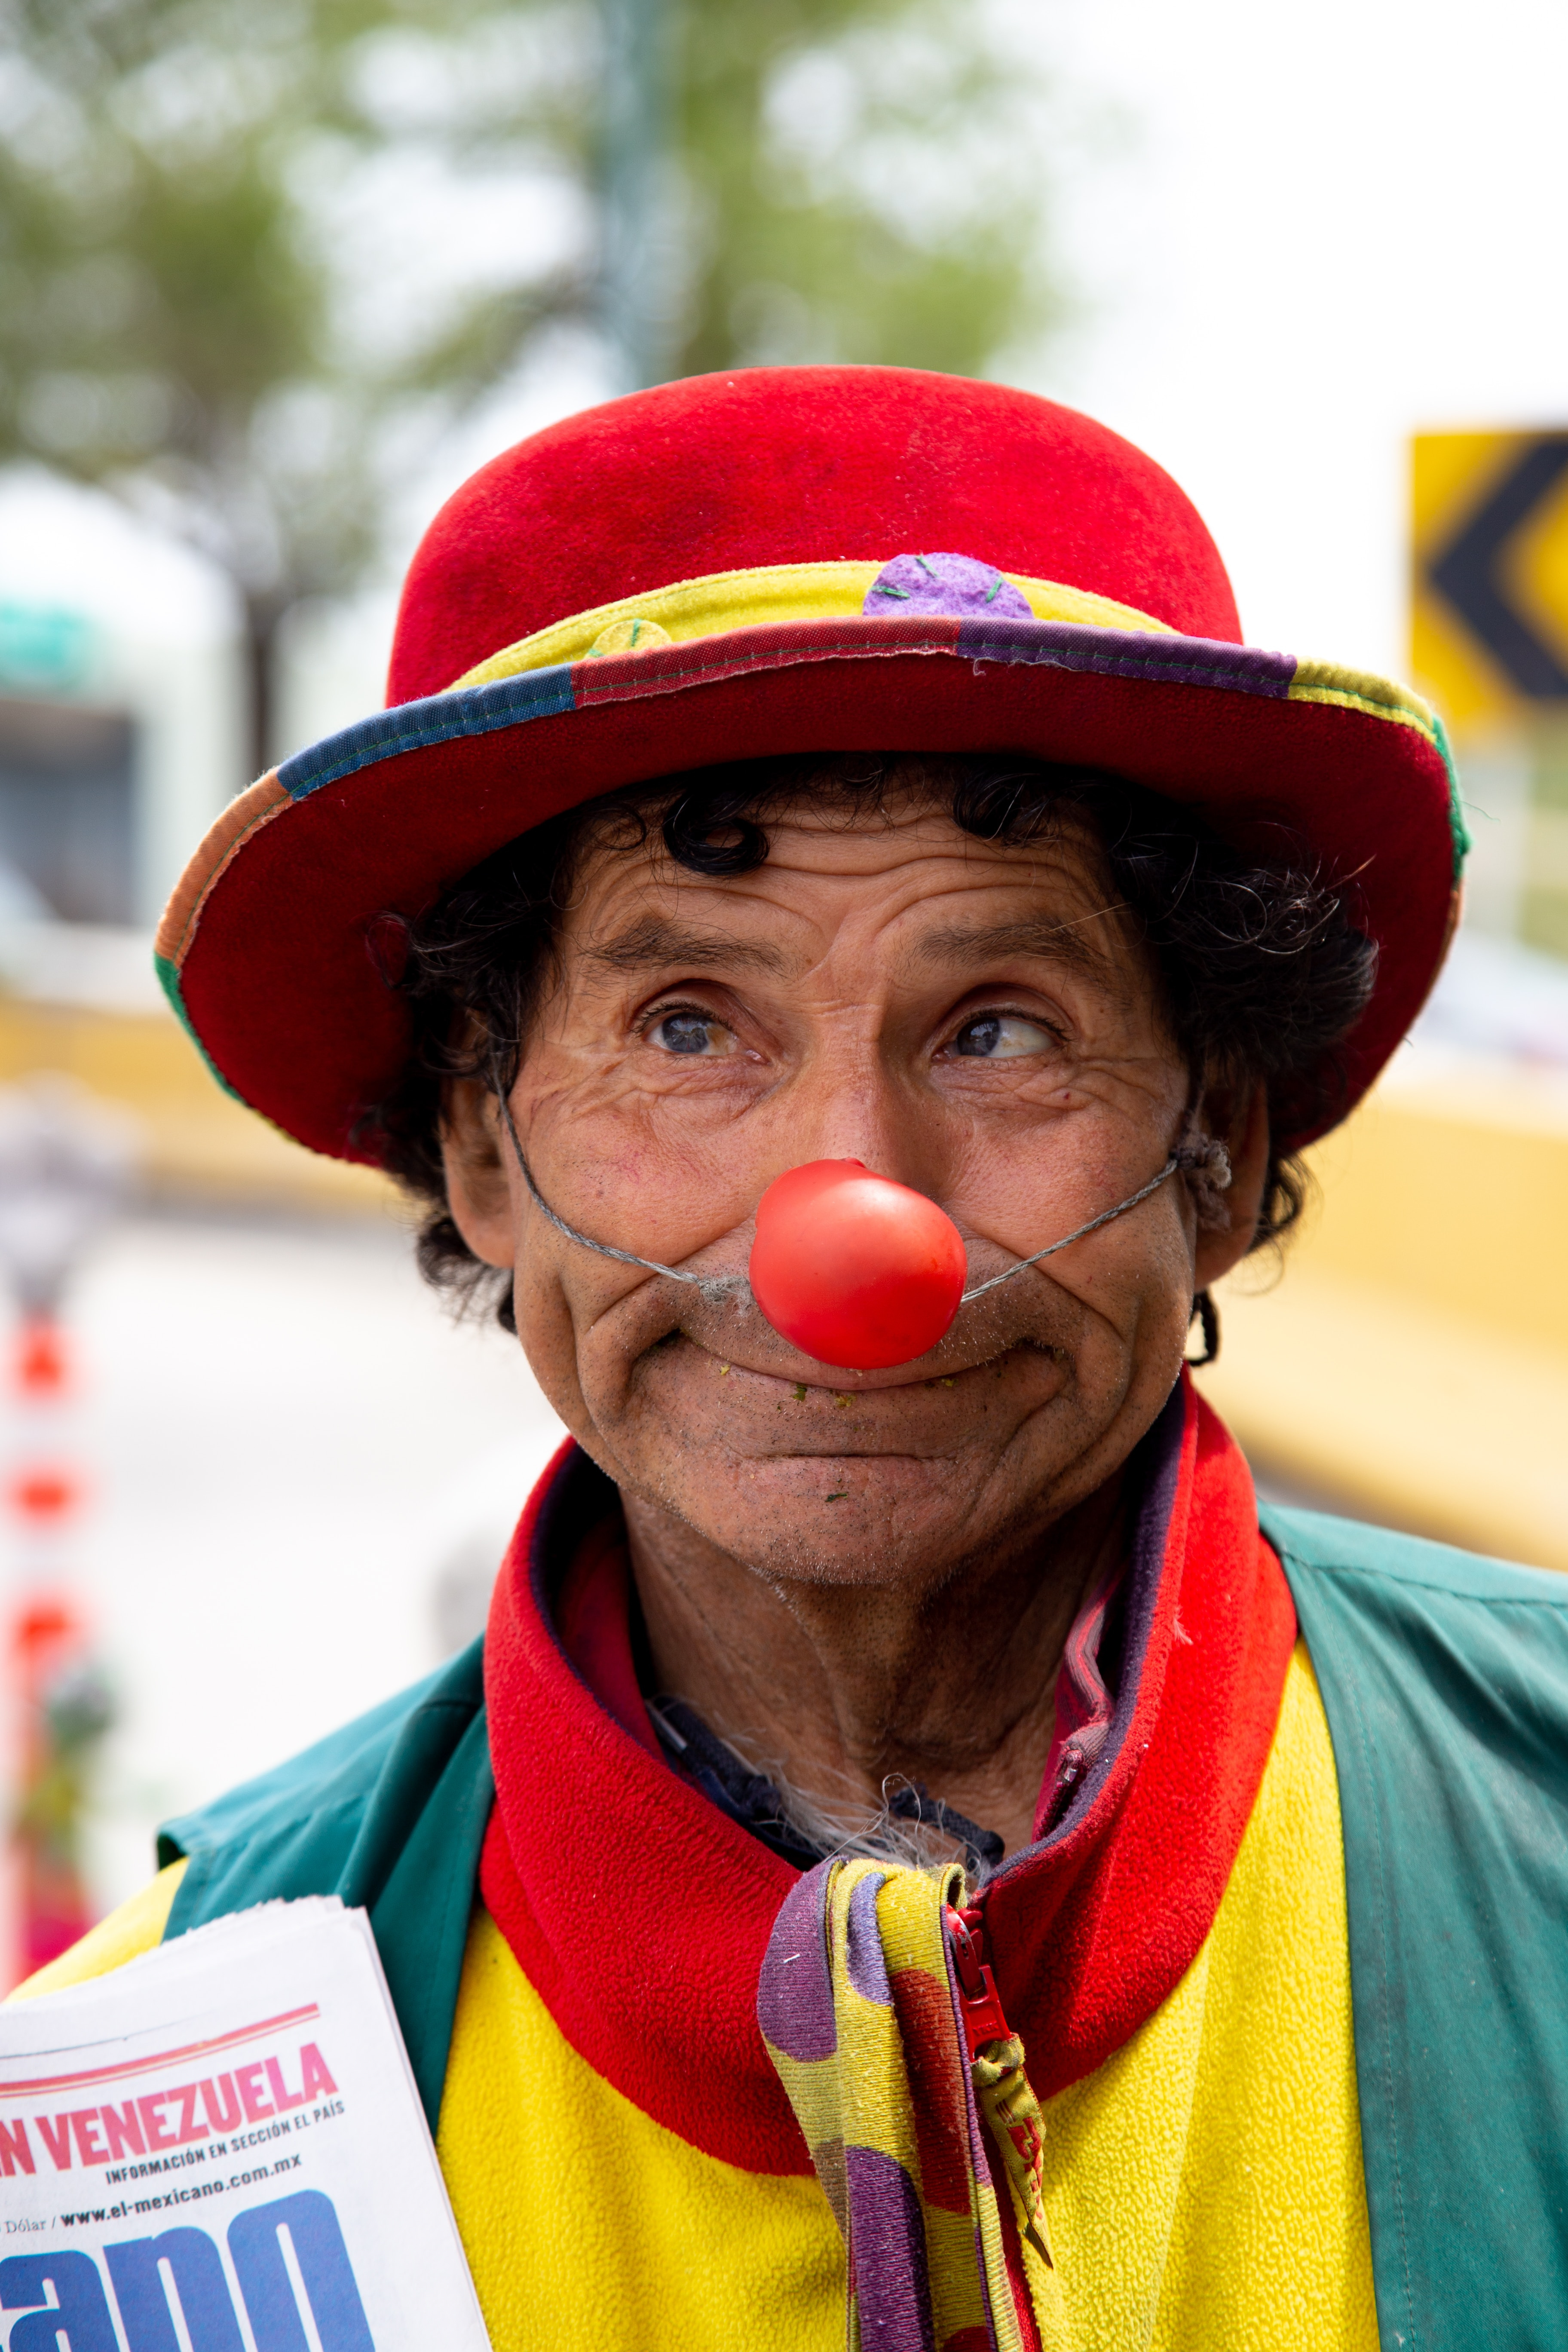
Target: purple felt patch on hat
x,y
1132,653
955,585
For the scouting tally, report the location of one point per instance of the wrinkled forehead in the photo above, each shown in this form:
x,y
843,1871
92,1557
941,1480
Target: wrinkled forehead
x,y
897,877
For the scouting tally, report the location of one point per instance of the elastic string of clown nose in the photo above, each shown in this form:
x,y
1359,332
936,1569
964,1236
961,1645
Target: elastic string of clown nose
x,y
713,1287
1207,1156
1106,1217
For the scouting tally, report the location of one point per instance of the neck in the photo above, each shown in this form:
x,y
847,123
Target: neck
x,y
837,1687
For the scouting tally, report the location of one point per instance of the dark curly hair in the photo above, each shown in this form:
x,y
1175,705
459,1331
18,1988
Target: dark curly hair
x,y
1263,969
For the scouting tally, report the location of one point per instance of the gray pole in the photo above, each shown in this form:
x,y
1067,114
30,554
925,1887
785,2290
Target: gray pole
x,y
632,132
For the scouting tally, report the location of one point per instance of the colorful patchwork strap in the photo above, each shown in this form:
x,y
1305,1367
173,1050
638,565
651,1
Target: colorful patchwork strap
x,y
864,2019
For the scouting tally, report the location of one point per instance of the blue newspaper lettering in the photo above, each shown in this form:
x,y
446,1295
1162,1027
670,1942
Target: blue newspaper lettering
x,y
196,2268
257,2250
80,2312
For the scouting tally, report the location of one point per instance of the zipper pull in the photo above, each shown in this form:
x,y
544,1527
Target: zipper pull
x,y
979,2002
1002,2089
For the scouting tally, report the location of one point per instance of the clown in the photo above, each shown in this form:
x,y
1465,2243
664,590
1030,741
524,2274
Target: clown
x,y
846,945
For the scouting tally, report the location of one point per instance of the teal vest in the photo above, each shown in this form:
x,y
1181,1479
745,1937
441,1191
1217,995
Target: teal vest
x,y
1444,1680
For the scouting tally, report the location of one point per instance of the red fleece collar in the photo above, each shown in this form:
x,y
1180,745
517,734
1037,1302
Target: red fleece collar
x,y
640,1913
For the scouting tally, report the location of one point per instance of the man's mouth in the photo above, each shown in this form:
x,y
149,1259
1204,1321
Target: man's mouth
x,y
800,1382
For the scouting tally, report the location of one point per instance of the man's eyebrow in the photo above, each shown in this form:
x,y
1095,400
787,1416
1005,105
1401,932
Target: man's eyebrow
x,y
652,943
1031,935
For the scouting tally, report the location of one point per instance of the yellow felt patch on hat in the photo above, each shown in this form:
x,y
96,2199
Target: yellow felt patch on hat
x,y
1356,690
632,635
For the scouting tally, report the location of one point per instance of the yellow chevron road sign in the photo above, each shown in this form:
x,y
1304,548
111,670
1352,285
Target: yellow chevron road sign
x,y
1490,594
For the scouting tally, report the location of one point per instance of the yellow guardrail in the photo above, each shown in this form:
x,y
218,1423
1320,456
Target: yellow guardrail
x,y
1411,1361
196,1140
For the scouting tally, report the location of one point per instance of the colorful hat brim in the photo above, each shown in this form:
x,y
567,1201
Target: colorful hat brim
x,y
265,950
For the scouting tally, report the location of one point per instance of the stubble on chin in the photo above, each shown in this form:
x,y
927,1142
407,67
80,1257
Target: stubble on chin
x,y
902,1487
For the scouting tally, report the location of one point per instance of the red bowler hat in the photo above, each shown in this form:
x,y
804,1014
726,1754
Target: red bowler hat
x,y
785,559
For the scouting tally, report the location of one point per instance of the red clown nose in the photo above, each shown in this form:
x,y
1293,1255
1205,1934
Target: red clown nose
x,y
853,1269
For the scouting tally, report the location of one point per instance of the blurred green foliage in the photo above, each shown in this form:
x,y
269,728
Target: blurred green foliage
x,y
258,257
866,182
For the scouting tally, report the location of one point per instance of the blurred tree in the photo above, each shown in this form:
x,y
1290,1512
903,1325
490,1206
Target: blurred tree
x,y
860,180
258,258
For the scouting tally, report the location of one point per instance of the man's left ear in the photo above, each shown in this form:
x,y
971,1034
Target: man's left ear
x,y
1240,1121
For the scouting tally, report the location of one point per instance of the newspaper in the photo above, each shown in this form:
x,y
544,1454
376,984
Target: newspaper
x,y
219,2147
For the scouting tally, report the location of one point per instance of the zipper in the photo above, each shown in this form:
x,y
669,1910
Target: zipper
x,y
984,2021
980,2004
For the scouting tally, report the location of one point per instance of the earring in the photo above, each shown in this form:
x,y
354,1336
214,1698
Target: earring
x,y
1206,1313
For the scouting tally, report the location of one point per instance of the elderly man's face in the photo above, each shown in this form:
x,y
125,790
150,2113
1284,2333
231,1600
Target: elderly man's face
x,y
976,1021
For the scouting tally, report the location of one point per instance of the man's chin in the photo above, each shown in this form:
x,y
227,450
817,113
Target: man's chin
x,y
843,1518
835,1485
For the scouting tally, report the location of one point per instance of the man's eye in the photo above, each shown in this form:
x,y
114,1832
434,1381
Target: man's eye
x,y
1001,1037
691,1033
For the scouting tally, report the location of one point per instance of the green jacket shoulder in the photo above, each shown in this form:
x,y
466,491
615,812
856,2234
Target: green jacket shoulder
x,y
1444,1680
389,1813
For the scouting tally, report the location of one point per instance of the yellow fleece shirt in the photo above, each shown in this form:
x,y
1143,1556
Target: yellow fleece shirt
x,y
1204,2186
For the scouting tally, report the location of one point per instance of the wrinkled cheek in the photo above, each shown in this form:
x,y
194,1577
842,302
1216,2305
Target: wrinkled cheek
x,y
1131,1319
556,1329
604,1366
1152,1328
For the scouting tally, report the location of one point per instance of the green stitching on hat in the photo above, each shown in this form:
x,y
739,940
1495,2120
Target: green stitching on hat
x,y
169,980
1463,845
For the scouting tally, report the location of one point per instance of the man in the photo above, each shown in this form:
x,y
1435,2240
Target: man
x,y
909,1832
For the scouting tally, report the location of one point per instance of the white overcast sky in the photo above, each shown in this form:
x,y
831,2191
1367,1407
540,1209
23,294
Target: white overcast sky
x,y
1324,226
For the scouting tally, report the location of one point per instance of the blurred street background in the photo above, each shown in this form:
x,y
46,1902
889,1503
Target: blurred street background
x,y
275,275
